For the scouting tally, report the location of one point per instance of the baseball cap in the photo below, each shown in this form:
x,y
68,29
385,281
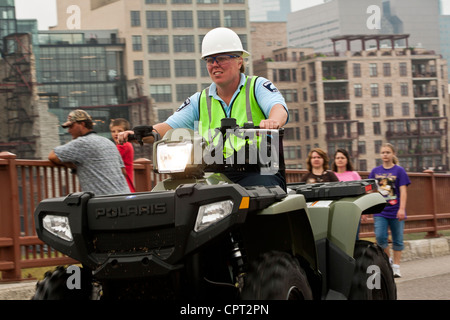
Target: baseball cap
x,y
75,116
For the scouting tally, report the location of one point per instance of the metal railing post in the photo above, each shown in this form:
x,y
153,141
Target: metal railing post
x,y
434,233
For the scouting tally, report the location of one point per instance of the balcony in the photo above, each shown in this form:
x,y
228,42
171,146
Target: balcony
x,y
421,95
332,97
341,136
424,75
415,133
434,114
340,117
334,76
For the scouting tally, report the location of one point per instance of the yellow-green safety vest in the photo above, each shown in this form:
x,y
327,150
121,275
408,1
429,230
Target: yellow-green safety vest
x,y
244,108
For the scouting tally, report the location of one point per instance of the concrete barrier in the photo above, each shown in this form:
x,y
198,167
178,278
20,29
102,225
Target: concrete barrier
x,y
415,249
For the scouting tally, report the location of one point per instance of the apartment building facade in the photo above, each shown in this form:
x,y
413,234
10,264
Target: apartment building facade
x,y
362,99
163,40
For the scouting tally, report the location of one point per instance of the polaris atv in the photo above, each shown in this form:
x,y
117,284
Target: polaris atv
x,y
197,235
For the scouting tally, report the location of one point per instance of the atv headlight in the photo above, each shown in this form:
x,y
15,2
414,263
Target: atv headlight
x,y
211,213
173,157
58,226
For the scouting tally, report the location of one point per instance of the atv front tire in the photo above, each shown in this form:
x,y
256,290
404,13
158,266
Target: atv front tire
x,y
373,278
276,276
54,286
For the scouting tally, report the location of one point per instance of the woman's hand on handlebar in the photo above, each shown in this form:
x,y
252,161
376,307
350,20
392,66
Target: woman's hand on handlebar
x,y
269,124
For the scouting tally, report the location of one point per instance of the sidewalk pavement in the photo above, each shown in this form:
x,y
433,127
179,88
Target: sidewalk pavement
x,y
414,250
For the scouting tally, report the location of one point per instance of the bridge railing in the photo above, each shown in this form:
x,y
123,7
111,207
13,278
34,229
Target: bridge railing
x,y
24,183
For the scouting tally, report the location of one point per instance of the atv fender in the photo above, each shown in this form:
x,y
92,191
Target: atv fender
x,y
289,221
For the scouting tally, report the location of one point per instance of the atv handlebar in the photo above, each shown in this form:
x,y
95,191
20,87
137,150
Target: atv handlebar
x,y
140,132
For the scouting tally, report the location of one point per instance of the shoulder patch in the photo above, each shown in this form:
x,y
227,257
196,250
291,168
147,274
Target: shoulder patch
x,y
269,86
185,104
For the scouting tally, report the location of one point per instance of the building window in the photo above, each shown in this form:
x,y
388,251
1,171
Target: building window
x,y
163,114
185,90
387,69
306,114
375,110
234,19
185,68
286,75
361,147
158,44
155,1
362,165
405,109
358,90
374,89
388,89
136,43
159,68
161,93
376,128
135,17
373,69
307,136
404,89
156,19
208,19
389,109
359,110
290,95
182,19
289,134
361,130
289,153
183,43
357,70
305,94
181,1
138,67
377,145
403,69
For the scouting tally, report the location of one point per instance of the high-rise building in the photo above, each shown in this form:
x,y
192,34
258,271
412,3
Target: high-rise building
x,y
313,27
422,20
358,100
163,40
269,10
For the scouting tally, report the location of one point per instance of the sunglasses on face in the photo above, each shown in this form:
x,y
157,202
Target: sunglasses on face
x,y
221,60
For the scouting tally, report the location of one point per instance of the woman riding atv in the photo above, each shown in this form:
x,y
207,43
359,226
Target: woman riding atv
x,y
231,95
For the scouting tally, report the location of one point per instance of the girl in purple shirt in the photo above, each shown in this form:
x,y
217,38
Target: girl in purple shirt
x,y
393,181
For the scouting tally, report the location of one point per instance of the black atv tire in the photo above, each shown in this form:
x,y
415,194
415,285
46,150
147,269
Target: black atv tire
x,y
54,286
276,276
368,254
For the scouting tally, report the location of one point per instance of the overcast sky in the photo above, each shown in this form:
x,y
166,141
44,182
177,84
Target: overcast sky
x,y
45,10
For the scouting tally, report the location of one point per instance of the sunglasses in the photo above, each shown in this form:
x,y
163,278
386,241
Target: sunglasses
x,y
223,59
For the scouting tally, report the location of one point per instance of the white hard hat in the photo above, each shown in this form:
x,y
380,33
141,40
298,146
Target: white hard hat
x,y
220,40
